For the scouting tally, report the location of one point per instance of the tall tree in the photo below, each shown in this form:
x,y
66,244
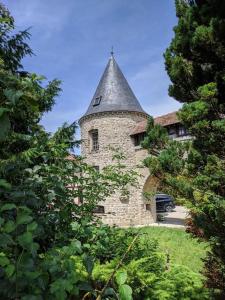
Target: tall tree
x,y
195,62
38,184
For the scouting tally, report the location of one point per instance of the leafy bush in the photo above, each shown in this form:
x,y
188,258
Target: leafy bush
x,y
38,184
194,170
50,247
150,276
178,283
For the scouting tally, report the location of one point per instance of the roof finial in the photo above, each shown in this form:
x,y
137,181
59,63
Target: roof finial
x,y
112,52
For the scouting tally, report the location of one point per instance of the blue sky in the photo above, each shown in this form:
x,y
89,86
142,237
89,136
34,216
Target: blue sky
x,y
72,39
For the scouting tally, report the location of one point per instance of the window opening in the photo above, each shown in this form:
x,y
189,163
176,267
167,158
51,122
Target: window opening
x,y
138,138
148,206
96,168
94,137
182,131
172,130
99,209
97,101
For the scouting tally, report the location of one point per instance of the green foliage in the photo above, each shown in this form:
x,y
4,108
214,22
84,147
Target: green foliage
x,y
50,246
40,221
150,276
12,47
175,243
179,283
195,170
153,136
125,292
121,277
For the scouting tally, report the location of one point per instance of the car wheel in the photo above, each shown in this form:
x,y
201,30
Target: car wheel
x,y
168,208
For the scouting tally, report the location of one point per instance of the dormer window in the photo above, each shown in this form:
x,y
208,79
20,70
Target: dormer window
x,y
97,101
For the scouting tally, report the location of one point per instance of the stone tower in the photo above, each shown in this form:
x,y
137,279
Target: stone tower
x,y
111,117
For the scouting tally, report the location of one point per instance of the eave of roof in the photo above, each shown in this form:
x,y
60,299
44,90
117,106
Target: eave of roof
x,y
164,120
167,119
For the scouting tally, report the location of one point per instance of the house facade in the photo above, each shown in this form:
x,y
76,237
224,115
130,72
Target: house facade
x,y
115,119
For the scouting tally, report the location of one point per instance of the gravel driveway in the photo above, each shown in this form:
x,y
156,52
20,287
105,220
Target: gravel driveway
x,y
175,219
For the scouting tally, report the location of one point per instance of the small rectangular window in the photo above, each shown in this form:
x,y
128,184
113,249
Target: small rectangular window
x,y
138,138
148,206
80,196
80,199
182,131
171,130
94,140
97,101
99,209
96,168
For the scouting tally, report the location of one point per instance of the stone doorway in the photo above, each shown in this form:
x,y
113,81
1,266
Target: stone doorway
x,y
149,191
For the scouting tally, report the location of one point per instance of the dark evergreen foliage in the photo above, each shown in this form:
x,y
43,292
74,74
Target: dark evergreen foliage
x,y
195,62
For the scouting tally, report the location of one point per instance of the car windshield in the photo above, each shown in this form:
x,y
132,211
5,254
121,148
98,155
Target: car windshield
x,y
163,196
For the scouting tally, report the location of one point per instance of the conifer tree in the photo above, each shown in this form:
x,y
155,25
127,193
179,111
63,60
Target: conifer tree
x,y
195,63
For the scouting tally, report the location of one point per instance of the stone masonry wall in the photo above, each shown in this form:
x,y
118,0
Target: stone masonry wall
x,y
114,130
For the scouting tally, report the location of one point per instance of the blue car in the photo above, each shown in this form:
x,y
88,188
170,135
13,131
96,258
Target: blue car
x,y
164,203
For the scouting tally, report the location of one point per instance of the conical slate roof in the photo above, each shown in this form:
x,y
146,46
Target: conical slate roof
x,y
113,93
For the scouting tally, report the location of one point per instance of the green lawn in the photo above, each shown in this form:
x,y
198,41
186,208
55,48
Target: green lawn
x,y
183,249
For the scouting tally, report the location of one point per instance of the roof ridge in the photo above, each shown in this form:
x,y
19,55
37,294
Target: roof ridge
x,y
173,112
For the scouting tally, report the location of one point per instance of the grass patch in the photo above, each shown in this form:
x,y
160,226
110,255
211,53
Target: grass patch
x,y
183,249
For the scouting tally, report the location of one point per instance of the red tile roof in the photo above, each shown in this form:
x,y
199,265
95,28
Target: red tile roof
x,y
167,119
164,120
140,127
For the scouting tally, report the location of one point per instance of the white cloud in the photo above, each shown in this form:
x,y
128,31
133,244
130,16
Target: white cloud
x,y
151,87
40,16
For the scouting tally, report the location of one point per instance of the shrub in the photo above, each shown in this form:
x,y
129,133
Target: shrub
x,y
150,275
